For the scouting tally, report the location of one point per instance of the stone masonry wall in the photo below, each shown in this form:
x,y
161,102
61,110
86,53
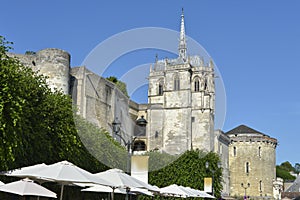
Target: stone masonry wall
x,y
53,63
260,156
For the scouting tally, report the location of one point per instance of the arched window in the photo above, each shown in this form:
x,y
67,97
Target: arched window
x,y
160,87
259,151
203,83
176,83
197,85
247,168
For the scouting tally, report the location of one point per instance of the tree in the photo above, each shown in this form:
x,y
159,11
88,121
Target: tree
x,y
189,170
111,152
121,85
30,53
36,124
283,171
285,175
21,91
297,167
158,160
287,166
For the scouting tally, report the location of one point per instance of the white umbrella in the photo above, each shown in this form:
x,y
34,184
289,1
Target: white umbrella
x,y
205,195
191,193
174,190
67,173
200,193
27,187
102,188
28,172
141,191
122,180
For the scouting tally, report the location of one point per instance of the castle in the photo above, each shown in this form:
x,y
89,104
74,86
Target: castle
x,y
180,113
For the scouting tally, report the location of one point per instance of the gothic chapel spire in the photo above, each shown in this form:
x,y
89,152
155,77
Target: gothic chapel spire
x,y
182,42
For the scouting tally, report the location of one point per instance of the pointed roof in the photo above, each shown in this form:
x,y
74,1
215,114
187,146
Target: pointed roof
x,y
182,41
243,129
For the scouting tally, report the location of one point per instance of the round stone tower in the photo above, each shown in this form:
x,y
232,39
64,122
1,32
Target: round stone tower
x,y
252,163
55,64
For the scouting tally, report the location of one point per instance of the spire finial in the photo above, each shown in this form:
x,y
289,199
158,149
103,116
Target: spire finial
x,y
182,42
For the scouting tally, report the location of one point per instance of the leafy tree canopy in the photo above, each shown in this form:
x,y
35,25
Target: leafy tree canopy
x,y
283,171
121,85
189,170
101,145
287,166
285,175
30,53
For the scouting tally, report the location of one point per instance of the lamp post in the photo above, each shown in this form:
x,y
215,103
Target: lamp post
x,y
213,173
141,121
245,187
116,125
140,131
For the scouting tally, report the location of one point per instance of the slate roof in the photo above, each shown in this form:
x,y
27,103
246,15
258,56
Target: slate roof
x,y
243,129
295,187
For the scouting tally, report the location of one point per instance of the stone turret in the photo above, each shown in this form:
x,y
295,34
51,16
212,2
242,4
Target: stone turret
x,y
251,162
53,63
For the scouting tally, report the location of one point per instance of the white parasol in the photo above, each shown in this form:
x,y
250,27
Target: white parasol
x,y
27,187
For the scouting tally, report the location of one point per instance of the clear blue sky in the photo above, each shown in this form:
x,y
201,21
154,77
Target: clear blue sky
x,y
255,44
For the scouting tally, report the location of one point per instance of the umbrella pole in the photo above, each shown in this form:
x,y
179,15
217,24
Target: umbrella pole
x,y
113,193
127,193
61,191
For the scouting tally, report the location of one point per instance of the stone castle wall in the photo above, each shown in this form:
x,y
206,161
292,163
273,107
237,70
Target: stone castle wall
x,y
96,99
221,143
100,101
